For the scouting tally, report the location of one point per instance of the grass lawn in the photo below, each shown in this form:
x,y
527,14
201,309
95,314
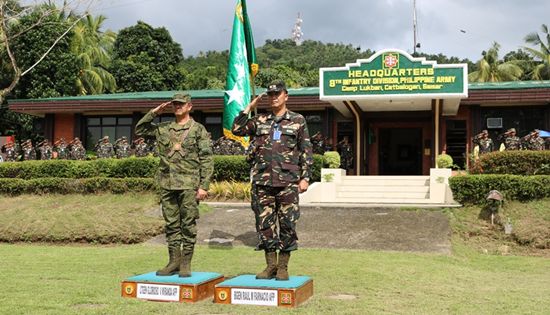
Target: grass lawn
x,y
44,279
70,278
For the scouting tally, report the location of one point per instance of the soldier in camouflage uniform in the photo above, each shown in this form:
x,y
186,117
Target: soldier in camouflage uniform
x,y
29,153
533,141
511,141
318,143
122,148
282,169
10,151
76,150
185,169
46,150
225,146
140,147
104,148
346,154
484,142
60,149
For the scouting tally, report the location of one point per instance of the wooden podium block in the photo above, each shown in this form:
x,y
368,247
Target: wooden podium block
x,y
246,289
151,287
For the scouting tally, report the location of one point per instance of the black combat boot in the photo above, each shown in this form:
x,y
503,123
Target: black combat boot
x,y
282,266
271,269
174,263
185,265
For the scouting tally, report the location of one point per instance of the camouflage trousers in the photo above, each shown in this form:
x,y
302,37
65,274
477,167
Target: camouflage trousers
x,y
276,211
180,211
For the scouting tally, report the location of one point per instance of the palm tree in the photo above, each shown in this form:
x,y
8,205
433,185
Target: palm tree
x,y
542,69
491,69
93,47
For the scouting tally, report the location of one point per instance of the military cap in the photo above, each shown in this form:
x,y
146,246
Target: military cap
x,y
181,98
276,86
512,130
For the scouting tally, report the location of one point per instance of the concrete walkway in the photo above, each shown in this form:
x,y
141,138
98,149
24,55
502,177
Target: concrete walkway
x,y
363,228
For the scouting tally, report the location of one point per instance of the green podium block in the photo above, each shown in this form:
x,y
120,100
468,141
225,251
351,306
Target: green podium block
x,y
248,290
151,287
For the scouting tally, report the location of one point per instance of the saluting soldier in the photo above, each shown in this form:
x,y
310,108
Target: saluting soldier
x,y
10,151
60,149
511,141
104,148
282,169
29,153
533,141
122,148
185,169
77,150
346,154
46,150
140,147
483,141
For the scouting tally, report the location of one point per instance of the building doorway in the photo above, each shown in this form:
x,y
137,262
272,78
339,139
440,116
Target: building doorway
x,y
400,151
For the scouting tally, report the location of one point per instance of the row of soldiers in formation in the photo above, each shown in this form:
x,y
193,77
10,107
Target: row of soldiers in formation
x,y
320,144
122,148
73,150
531,141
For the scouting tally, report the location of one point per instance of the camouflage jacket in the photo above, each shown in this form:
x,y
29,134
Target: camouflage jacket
x,y
122,151
105,151
282,149
512,143
45,152
536,144
485,145
184,163
77,152
141,150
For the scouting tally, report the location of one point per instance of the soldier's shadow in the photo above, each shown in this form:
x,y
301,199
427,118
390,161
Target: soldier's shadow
x,y
223,240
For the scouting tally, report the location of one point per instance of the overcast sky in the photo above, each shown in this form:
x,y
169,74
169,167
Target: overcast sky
x,y
461,28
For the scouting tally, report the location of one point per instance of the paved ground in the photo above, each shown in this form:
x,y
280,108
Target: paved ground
x,y
350,228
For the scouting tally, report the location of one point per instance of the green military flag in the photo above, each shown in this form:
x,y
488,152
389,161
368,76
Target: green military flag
x,y
241,70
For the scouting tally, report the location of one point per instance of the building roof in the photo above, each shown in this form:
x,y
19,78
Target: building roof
x,y
490,93
159,95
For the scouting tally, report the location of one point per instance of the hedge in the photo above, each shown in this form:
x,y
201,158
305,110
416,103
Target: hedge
x,y
17,186
129,167
513,162
473,189
225,168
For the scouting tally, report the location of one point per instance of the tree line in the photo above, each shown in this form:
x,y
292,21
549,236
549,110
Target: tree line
x,y
48,50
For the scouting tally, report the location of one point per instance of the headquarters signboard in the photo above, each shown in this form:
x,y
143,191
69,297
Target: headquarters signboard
x,y
393,73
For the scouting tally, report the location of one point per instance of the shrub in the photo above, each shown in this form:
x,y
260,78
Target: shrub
x,y
472,189
444,161
332,159
17,186
232,167
318,162
513,162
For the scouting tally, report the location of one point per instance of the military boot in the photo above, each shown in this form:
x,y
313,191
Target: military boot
x,y
282,266
173,264
271,269
185,265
